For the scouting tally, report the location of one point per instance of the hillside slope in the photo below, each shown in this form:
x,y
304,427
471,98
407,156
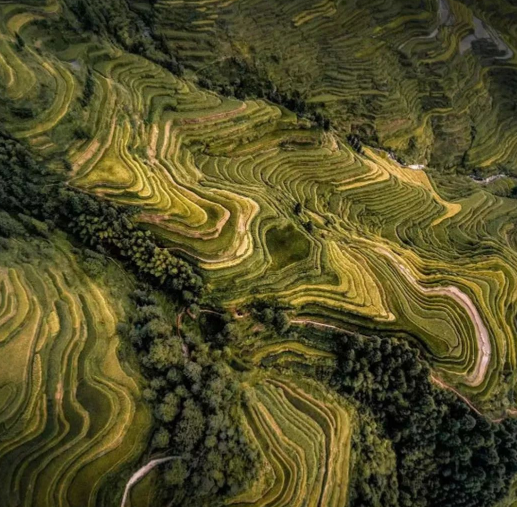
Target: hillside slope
x,y
290,245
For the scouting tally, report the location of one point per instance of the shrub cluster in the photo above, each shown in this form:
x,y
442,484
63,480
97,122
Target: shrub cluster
x,y
196,401
447,455
27,188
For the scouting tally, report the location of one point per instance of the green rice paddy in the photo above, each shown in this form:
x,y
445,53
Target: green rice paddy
x,y
390,248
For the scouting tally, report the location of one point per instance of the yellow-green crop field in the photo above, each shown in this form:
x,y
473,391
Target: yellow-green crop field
x,y
70,411
391,248
305,439
218,179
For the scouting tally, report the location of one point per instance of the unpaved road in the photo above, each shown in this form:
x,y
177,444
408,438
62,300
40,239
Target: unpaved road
x,y
483,31
483,340
315,323
141,473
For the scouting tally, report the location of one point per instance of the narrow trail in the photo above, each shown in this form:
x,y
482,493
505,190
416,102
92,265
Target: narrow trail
x,y
315,323
434,379
184,347
443,385
179,317
141,473
213,312
488,180
482,335
510,412
191,315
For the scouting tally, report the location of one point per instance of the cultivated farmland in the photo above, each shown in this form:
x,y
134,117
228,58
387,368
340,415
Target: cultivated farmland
x,y
71,413
273,179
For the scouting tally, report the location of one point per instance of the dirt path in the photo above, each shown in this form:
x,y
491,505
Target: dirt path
x,y
482,336
178,322
443,385
488,180
483,31
213,312
437,381
315,323
214,116
141,473
184,347
510,412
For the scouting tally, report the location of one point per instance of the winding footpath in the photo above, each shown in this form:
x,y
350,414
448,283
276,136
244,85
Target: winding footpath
x,y
488,180
141,473
477,376
434,379
315,323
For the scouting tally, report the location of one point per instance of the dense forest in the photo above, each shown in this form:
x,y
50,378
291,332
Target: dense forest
x,y
447,455
257,278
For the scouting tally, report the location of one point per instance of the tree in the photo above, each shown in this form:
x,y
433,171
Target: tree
x,y
169,408
149,394
447,455
281,321
309,226
88,90
161,438
164,353
196,397
267,315
176,473
20,43
190,427
10,226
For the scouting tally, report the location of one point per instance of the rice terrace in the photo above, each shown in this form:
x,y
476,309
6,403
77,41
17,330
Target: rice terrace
x,y
258,253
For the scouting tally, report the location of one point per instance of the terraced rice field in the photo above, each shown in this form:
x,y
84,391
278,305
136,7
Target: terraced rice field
x,y
305,439
218,179
70,412
266,204
356,60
